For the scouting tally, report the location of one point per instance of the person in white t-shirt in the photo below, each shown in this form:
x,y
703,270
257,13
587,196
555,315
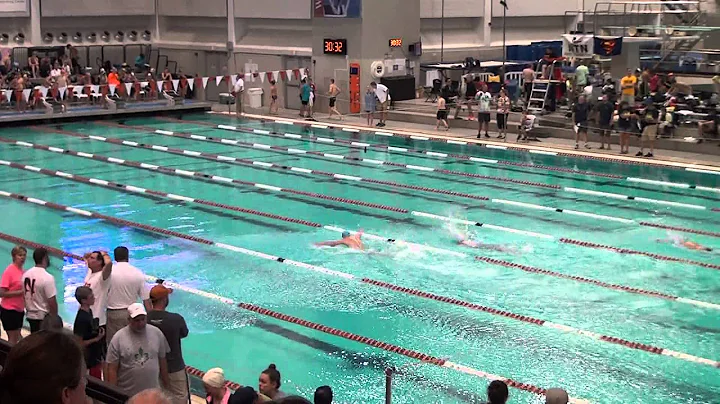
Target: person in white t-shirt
x,y
39,290
128,286
98,279
483,98
238,91
383,95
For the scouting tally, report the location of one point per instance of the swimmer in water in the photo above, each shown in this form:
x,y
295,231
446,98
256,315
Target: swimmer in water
x,y
463,239
348,240
682,242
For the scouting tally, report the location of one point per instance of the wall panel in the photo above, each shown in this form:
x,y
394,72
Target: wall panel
x,y
112,8
197,8
285,9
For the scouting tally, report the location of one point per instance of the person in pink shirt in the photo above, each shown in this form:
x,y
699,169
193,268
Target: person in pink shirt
x,y
12,305
216,387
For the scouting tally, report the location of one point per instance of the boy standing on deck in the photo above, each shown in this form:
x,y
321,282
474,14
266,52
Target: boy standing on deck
x,y
370,105
87,329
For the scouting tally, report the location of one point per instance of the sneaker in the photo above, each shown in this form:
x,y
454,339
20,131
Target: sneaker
x,y
601,147
487,136
576,146
479,136
639,154
382,124
649,155
587,146
378,124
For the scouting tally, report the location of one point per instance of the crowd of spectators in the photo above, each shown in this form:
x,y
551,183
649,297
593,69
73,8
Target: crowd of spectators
x,y
60,73
123,333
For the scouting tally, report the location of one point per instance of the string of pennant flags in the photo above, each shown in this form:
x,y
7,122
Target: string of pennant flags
x,y
159,85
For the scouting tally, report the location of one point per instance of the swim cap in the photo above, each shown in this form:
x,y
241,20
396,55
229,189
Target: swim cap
x,y
345,234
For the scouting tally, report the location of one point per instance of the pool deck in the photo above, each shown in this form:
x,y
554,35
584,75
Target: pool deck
x,y
553,145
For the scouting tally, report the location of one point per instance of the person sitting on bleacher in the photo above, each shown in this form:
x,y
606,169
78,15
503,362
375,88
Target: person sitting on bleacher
x,y
710,126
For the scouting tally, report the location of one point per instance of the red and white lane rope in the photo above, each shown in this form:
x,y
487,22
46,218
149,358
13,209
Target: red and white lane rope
x,y
458,156
60,253
136,189
596,282
171,196
315,326
386,285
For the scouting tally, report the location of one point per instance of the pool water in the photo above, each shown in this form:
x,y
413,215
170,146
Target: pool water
x,y
244,343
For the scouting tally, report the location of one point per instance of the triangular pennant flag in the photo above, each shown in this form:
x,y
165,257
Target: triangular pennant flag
x,y
44,91
144,84
128,86
218,79
95,89
289,74
26,94
262,77
303,73
8,94
247,76
284,75
296,74
204,82
233,79
62,92
175,84
276,75
269,75
112,89
159,85
191,84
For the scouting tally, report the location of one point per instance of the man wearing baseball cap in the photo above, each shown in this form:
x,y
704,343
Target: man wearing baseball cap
x,y
137,355
174,328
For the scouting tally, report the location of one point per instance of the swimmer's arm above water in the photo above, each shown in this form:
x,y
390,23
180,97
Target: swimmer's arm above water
x,y
334,243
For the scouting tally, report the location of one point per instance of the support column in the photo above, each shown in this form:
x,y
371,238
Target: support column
x,y
486,22
156,31
231,23
35,29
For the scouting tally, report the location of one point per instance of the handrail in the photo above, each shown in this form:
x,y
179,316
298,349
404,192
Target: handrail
x,y
95,389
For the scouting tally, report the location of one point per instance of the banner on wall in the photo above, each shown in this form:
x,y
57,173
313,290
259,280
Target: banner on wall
x,y
578,46
337,8
608,46
14,8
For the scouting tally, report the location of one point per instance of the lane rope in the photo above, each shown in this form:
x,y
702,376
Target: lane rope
x,y
136,189
490,145
60,253
415,292
459,156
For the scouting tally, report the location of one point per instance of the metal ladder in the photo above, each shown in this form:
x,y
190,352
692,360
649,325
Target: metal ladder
x,y
538,96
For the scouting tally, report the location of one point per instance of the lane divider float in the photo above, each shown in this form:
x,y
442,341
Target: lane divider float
x,y
136,189
471,158
322,328
414,292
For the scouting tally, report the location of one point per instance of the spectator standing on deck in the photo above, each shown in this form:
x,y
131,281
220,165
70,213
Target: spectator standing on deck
x,y
88,332
383,96
98,279
470,91
627,86
581,111
503,112
44,368
216,387
323,395
137,354
370,103
305,91
497,392
650,129
483,98
581,78
604,111
528,77
624,123
442,114
39,290
128,287
269,383
12,306
333,93
174,329
238,91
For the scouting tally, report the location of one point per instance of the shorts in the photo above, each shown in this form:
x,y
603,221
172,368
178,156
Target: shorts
x,y
274,97
304,102
34,325
383,106
630,99
501,120
332,102
369,111
442,114
11,319
650,132
483,117
604,129
582,126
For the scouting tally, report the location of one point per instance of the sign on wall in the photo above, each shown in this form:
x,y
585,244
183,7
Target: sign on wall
x,y
578,46
14,8
337,8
